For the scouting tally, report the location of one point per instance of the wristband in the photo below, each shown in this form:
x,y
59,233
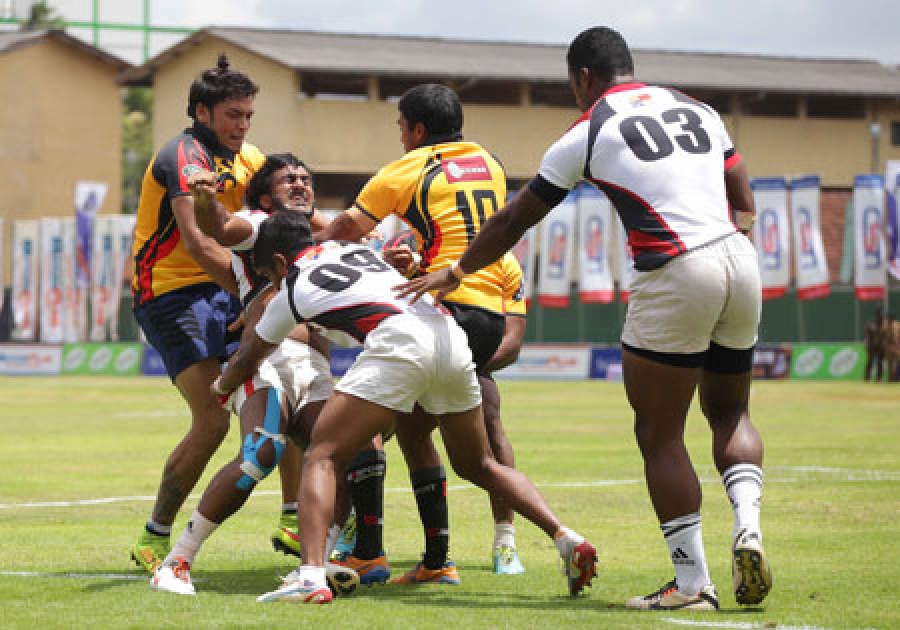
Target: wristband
x,y
457,272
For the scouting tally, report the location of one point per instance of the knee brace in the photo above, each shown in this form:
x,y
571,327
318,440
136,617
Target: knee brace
x,y
254,472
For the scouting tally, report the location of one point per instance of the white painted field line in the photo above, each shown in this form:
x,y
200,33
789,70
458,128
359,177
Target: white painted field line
x,y
741,625
131,577
841,474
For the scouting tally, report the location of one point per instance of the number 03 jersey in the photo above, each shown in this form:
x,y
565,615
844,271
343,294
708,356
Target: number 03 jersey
x,y
444,192
344,288
660,156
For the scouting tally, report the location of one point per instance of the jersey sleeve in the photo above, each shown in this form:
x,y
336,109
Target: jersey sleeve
x,y
255,219
384,194
513,287
563,164
730,153
277,321
177,161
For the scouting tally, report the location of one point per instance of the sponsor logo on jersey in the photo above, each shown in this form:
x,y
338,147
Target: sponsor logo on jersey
x,y
191,169
466,169
639,100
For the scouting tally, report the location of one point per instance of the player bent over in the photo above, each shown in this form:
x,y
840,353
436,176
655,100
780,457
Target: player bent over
x,y
411,353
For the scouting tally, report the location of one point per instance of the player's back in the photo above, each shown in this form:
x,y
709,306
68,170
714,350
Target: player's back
x,y
660,156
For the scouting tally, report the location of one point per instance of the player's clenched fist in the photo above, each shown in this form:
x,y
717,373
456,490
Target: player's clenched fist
x,y
203,187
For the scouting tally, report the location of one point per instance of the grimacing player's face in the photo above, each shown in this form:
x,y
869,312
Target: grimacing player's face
x,y
292,188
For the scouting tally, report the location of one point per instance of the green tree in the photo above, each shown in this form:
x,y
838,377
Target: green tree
x,y
41,16
137,143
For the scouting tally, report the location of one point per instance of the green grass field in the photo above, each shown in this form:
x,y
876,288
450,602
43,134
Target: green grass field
x,y
830,517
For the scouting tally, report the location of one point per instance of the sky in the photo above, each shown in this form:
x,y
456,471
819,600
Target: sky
x,y
859,29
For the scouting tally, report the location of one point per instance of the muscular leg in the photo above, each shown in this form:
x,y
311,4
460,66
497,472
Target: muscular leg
x,y
499,443
289,472
334,443
660,396
428,480
467,446
209,425
724,399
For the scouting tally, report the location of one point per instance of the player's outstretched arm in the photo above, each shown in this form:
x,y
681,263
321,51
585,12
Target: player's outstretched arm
x,y
212,217
212,257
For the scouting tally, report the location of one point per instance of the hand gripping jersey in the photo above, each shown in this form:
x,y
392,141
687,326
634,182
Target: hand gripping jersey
x,y
444,192
660,156
338,287
161,262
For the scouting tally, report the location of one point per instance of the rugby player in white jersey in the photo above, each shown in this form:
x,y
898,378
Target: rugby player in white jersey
x,y
667,164
283,398
412,353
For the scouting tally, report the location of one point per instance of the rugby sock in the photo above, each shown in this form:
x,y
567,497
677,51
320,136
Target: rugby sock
x,y
365,474
504,534
430,487
289,508
743,483
684,535
198,529
331,539
565,539
158,529
314,574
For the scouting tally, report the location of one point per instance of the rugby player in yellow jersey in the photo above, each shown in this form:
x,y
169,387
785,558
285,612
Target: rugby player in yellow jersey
x,y
443,188
179,275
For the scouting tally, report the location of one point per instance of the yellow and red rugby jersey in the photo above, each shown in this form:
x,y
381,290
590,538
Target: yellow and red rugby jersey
x,y
444,192
161,262
513,286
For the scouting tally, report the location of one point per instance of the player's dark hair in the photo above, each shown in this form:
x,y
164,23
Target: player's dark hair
x,y
603,51
285,233
261,182
434,105
219,84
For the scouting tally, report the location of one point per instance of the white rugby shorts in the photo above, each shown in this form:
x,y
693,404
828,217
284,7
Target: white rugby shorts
x,y
711,293
302,374
409,358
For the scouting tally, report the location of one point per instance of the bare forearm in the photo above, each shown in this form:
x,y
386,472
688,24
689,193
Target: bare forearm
x,y
211,217
241,366
215,261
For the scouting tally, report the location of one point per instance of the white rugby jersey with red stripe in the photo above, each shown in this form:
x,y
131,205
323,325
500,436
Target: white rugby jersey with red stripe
x,y
340,287
250,284
660,156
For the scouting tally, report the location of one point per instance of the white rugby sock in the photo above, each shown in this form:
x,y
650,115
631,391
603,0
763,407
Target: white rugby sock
x,y
684,536
198,529
504,534
565,539
743,483
312,573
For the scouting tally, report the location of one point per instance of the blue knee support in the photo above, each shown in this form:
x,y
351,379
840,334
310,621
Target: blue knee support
x,y
254,472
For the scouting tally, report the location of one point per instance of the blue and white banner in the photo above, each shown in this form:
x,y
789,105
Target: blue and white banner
x,y
557,252
892,217
869,266
52,307
810,266
771,235
122,228
624,264
595,279
76,319
25,268
103,277
2,241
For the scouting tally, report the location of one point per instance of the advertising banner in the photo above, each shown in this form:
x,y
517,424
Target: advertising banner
x,y
828,361
75,322
103,279
810,266
549,362
25,268
869,263
595,280
342,359
107,359
771,361
624,264
771,235
152,365
123,236
892,217
52,307
18,359
606,363
557,251
524,251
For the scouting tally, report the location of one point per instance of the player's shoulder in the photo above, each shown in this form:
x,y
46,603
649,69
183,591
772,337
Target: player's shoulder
x,y
252,155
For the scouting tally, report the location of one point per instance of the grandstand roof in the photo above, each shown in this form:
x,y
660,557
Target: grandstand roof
x,y
421,57
15,40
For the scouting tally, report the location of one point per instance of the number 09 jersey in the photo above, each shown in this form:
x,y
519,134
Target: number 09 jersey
x,y
444,192
660,156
